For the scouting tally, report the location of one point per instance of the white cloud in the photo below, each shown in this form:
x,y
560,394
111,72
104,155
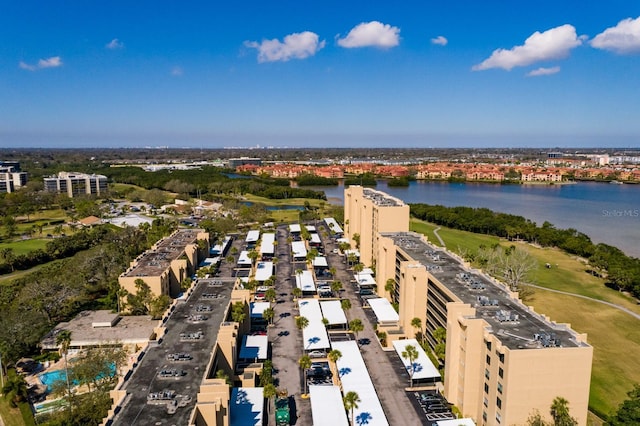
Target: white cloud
x,y
623,38
52,62
555,43
177,71
294,46
114,44
372,33
440,40
543,71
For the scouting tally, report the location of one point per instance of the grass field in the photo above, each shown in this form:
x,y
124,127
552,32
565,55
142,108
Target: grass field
x,y
24,246
614,334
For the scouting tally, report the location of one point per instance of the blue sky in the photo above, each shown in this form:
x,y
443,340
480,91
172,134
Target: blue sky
x,y
323,74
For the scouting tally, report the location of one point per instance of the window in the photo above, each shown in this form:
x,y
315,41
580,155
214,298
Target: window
x,y
500,372
486,373
498,418
501,356
488,345
499,387
484,416
485,402
488,360
486,388
499,402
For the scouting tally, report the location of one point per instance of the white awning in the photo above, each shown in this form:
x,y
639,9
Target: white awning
x,y
254,347
352,251
244,259
258,308
314,336
355,377
320,262
295,228
383,310
266,245
333,312
423,368
253,236
299,250
304,281
333,226
315,239
264,270
327,408
364,280
310,228
246,407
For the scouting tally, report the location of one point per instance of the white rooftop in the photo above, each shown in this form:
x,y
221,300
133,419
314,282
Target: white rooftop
x,y
354,251
304,281
355,377
244,259
327,408
315,239
253,236
246,407
264,271
383,310
456,422
314,336
299,249
295,228
423,368
266,245
258,308
364,279
254,347
333,225
320,262
134,220
333,312
210,261
310,228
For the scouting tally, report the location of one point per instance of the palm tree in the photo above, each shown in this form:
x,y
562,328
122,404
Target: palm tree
x,y
15,389
268,314
411,353
357,268
297,292
270,295
560,412
332,271
305,364
390,285
63,339
356,326
334,355
269,391
350,401
302,322
346,305
336,286
417,324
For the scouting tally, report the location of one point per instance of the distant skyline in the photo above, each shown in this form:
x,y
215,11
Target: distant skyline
x,y
327,74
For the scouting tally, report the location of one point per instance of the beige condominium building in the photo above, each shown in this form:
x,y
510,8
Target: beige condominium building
x,y
76,184
368,212
503,360
165,265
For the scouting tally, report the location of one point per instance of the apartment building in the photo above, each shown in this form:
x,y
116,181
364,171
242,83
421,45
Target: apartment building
x,y
165,265
11,178
368,212
503,360
76,184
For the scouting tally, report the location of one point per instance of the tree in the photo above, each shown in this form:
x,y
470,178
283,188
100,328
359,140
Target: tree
x,y
269,392
356,238
268,314
411,353
297,292
417,324
238,313
515,265
334,355
356,326
270,295
628,412
305,364
350,401
390,285
535,419
158,305
63,340
357,268
332,271
253,255
336,286
302,322
346,305
560,412
15,389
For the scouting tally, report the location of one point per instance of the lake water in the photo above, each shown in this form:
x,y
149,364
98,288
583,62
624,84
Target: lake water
x,y
608,213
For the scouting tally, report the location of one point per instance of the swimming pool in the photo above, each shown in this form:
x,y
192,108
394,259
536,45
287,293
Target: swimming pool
x,y
51,377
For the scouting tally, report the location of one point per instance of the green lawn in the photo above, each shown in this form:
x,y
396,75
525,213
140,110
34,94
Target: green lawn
x,y
284,202
614,334
25,246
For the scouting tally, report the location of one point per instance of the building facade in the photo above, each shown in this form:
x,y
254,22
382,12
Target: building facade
x,y
76,184
11,178
368,212
502,359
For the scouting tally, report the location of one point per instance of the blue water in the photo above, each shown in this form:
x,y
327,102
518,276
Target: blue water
x,y
50,377
608,213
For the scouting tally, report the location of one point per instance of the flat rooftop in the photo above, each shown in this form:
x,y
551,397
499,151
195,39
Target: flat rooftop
x,y
91,328
381,199
515,325
157,259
